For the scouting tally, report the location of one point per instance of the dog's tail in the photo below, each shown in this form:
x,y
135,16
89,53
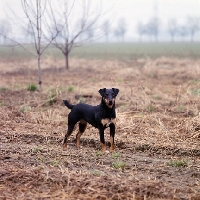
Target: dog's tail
x,y
70,106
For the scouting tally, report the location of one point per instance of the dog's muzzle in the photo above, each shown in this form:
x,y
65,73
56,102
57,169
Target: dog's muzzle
x,y
110,103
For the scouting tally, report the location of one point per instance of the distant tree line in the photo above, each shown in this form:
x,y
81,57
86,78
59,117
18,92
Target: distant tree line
x,y
148,31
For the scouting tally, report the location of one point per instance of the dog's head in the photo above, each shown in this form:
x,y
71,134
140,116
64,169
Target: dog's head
x,y
109,95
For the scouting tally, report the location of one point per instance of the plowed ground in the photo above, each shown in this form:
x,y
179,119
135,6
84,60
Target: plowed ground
x,y
157,140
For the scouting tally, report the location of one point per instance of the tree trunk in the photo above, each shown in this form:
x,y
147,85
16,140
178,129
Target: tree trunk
x,y
39,74
67,60
67,54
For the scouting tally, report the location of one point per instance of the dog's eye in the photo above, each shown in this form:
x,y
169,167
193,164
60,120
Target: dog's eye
x,y
106,94
113,95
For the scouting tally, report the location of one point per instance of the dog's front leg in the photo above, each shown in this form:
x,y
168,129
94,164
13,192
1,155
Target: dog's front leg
x,y
112,135
102,140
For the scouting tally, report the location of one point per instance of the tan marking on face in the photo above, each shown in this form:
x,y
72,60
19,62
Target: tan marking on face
x,y
107,102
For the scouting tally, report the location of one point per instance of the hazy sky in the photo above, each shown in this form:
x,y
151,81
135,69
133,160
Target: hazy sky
x,y
132,11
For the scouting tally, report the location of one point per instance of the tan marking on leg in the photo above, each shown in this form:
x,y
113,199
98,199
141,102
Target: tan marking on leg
x,y
78,136
83,122
65,145
103,147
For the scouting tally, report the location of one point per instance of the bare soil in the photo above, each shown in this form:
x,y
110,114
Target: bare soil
x,y
157,152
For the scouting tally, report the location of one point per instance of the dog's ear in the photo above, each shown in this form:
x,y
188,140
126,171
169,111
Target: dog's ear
x,y
116,91
102,91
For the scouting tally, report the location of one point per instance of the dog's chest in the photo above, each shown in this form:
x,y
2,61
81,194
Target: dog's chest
x,y
108,118
106,122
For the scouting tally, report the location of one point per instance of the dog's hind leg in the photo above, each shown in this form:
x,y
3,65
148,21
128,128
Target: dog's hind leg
x,y
69,131
82,127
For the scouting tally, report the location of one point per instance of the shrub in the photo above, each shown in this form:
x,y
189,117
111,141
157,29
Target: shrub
x,y
37,149
151,108
2,103
2,89
119,164
53,95
115,155
32,87
195,91
24,109
177,163
99,153
70,88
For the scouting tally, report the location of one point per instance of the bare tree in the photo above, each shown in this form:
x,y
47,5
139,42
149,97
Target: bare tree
x,y
172,28
121,29
73,31
28,33
90,34
117,34
182,31
141,29
193,24
38,25
153,27
5,30
106,30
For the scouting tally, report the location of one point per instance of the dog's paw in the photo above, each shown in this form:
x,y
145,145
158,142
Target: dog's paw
x,y
106,152
64,146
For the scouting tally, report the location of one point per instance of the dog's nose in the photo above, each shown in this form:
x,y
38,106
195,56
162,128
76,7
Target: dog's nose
x,y
110,103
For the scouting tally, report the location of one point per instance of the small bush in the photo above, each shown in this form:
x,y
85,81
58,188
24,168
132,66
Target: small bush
x,y
177,163
2,103
151,108
32,87
99,153
70,88
180,108
37,149
96,173
54,163
81,100
195,91
53,95
115,155
119,164
2,89
194,81
156,97
25,109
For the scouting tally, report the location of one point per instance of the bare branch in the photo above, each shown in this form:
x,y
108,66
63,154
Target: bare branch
x,y
18,44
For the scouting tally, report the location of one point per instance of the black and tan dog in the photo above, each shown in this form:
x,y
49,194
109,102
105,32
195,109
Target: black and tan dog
x,y
101,116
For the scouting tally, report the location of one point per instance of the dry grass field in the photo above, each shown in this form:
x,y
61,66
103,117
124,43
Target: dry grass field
x,y
157,138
